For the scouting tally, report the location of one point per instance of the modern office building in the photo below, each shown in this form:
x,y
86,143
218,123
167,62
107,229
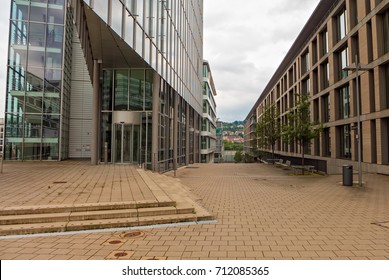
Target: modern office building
x,y
338,33
208,130
108,80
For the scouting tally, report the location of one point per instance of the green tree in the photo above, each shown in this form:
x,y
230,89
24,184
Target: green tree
x,y
300,128
238,156
268,129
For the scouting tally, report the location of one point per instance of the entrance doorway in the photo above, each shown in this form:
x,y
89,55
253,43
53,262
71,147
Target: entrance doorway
x,y
127,143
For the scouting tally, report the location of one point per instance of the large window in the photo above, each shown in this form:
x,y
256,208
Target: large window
x,y
344,103
324,42
325,75
305,64
345,142
326,142
385,29
386,92
343,63
341,25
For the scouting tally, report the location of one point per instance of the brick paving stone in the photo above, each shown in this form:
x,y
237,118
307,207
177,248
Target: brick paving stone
x,y
261,213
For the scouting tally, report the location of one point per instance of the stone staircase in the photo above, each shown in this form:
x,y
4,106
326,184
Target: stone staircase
x,y
173,204
61,218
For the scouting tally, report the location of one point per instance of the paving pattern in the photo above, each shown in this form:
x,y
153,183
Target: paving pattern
x,y
262,212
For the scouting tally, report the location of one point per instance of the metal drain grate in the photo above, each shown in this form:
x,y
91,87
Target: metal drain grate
x,y
120,255
132,234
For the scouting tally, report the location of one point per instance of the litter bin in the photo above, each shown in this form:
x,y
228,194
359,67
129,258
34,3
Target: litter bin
x,y
347,175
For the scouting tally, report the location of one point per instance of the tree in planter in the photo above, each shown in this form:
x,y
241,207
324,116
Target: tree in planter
x,y
300,128
269,128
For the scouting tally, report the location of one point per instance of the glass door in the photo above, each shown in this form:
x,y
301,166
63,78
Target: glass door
x,y
127,143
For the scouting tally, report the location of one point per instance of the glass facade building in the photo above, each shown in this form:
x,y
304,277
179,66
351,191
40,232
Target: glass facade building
x,y
117,81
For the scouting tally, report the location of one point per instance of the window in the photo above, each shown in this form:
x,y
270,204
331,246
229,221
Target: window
x,y
325,75
343,63
306,86
324,42
116,17
305,63
326,142
386,92
344,103
345,142
385,22
326,108
341,25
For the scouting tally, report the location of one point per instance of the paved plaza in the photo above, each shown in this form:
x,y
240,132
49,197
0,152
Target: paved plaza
x,y
260,212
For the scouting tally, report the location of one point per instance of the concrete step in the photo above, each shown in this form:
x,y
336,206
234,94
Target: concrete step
x,y
92,215
46,209
34,228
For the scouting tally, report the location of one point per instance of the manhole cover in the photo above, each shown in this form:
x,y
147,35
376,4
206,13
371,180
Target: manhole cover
x,y
120,255
115,242
132,234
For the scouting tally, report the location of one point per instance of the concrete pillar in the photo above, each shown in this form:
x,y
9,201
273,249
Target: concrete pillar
x,y
95,113
155,122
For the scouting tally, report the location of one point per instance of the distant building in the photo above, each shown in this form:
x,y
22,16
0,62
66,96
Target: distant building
x,y
208,130
337,32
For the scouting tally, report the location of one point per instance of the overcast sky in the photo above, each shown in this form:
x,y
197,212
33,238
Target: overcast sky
x,y
244,42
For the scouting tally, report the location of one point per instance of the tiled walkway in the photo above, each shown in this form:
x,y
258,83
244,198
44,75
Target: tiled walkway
x,y
262,213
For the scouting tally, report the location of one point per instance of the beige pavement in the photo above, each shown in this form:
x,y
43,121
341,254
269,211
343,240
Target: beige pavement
x,y
262,212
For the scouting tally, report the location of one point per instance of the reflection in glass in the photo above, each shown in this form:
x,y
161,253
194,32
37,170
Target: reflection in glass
x,y
32,126
129,38
100,7
107,90
14,126
50,126
136,90
53,80
19,10
149,90
15,98
34,79
117,15
34,102
121,90
54,34
106,132
38,12
51,103
55,13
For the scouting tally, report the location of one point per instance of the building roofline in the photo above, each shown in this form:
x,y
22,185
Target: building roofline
x,y
205,62
320,12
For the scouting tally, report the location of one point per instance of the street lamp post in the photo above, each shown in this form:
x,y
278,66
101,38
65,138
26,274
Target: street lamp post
x,y
356,66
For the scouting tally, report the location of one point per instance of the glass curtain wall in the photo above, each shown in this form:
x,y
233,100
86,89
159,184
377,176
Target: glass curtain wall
x,y
35,75
127,90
